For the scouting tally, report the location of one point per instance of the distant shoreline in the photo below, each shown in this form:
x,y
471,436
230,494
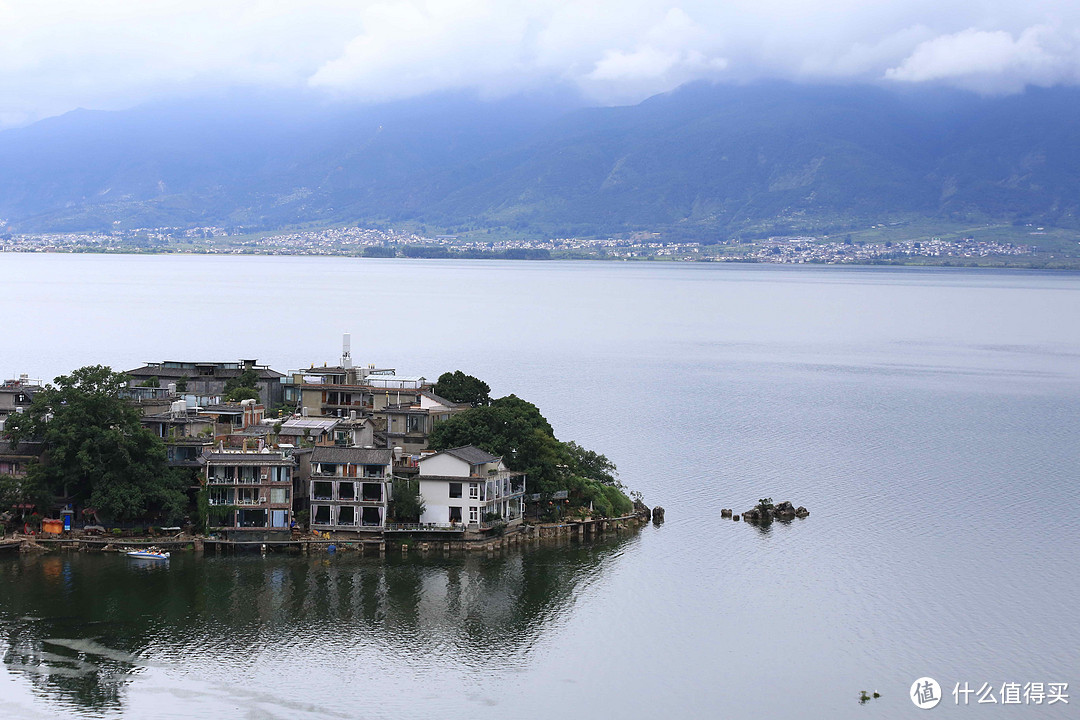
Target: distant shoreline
x,y
1066,264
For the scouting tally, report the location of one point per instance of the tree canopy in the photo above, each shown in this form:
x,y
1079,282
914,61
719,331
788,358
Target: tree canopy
x,y
245,386
515,430
96,453
461,388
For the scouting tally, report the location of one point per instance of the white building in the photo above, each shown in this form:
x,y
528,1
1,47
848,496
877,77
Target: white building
x,y
466,485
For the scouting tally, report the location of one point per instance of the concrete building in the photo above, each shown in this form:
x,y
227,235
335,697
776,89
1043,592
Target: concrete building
x,y
408,426
15,457
349,488
250,492
16,395
467,485
208,378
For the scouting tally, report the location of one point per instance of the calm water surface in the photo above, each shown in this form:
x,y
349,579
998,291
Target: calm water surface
x,y
928,418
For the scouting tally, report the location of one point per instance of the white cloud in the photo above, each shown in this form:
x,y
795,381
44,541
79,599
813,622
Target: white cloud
x,y
995,61
61,54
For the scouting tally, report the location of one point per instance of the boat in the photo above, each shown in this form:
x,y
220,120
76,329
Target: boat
x,y
148,554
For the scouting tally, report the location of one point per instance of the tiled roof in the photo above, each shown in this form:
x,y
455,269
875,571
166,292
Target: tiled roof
x,y
470,454
356,456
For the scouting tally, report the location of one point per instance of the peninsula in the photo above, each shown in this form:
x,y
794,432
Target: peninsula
x,y
239,452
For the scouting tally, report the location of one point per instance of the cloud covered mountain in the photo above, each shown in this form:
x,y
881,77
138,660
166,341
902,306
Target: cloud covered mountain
x,y
706,160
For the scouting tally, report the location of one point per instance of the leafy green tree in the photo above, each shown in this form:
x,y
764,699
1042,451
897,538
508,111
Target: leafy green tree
x,y
239,394
95,450
515,430
461,388
151,382
20,490
408,503
181,384
242,387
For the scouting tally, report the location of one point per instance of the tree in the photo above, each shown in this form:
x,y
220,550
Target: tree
x,y
242,387
515,430
181,384
408,502
151,382
461,388
95,452
239,394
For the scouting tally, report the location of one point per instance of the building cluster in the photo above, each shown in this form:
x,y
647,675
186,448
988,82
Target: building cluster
x,y
341,437
832,251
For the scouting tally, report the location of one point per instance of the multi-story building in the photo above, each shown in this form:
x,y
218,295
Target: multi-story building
x,y
469,486
408,426
349,488
16,457
208,379
250,492
16,396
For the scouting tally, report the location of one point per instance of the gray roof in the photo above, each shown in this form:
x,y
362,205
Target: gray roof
x,y
471,454
26,447
355,456
248,458
439,399
223,409
296,426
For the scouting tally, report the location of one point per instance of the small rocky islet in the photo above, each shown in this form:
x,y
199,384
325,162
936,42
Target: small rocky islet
x,y
765,512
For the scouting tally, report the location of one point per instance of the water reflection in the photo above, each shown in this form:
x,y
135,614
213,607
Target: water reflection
x,y
80,627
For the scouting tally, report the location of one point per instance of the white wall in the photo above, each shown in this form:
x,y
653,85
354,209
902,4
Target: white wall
x,y
437,501
443,464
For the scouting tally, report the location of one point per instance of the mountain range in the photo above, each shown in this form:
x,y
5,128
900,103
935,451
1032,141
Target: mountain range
x,y
708,161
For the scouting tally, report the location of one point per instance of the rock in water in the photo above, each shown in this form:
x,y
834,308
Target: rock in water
x,y
658,514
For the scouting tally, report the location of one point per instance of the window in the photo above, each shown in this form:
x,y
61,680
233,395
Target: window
x,y
253,518
371,517
346,515
320,514
414,423
455,514
346,491
474,491
322,490
455,491
372,492
218,496
279,496
474,514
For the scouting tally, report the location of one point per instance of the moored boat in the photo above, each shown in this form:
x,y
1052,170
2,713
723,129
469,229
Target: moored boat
x,y
148,554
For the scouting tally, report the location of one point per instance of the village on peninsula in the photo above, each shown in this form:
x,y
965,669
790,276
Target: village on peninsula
x,y
228,455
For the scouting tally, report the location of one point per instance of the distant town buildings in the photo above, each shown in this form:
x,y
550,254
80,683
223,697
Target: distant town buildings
x,y
632,246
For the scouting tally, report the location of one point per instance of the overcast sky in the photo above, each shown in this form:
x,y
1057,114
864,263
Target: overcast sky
x,y
56,55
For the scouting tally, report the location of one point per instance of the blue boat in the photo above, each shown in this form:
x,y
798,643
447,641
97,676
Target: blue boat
x,y
148,554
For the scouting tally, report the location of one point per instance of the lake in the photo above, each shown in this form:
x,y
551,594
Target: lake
x,y
928,418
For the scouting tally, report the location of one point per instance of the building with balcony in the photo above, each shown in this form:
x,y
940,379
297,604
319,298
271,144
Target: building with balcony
x,y
209,378
349,488
250,492
16,395
408,426
15,458
469,486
